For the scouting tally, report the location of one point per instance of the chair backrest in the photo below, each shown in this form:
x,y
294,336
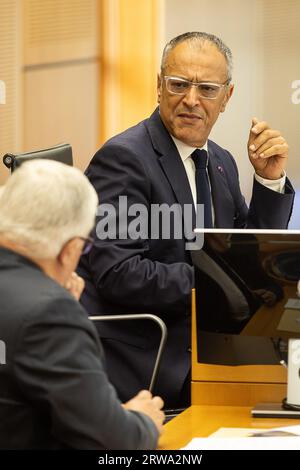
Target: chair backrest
x,y
170,414
142,316
61,153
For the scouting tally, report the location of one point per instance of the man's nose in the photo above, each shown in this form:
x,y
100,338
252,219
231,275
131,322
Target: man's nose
x,y
192,97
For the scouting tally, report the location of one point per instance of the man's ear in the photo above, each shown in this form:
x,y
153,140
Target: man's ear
x,y
227,98
69,254
158,87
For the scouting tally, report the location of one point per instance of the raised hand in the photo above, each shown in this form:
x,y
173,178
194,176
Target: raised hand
x,y
268,150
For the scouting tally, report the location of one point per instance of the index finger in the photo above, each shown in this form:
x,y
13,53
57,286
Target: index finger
x,y
158,401
145,394
258,127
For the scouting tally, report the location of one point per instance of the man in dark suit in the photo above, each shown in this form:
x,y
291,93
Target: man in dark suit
x,y
151,165
54,392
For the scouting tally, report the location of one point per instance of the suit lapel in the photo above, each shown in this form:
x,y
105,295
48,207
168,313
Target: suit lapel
x,y
222,199
170,160
174,170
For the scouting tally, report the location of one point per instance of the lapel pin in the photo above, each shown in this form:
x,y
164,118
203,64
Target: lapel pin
x,y
220,169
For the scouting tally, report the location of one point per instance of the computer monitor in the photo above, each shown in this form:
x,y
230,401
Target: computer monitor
x,y
244,280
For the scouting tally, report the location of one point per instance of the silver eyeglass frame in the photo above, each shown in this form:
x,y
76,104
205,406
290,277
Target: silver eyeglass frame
x,y
184,80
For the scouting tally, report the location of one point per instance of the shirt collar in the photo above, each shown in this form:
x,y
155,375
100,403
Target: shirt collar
x,y
185,150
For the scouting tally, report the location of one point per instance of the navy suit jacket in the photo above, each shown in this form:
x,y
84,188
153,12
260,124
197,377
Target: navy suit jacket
x,y
54,392
156,275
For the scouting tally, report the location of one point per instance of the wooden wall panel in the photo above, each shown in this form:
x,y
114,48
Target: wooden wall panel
x,y
236,394
130,50
61,75
10,67
61,105
77,71
59,30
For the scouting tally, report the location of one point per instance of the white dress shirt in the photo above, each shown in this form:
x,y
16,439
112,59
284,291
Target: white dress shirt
x,y
185,152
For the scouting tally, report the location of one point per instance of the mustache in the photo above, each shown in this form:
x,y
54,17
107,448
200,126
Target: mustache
x,y
192,113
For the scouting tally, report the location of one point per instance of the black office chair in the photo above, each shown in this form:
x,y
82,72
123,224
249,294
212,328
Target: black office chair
x,y
61,153
172,413
142,316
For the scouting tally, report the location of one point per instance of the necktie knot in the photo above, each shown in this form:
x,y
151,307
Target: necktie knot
x,y
200,158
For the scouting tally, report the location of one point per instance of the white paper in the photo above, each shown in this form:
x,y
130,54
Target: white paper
x,y
295,429
251,432
244,443
244,439
236,432
293,303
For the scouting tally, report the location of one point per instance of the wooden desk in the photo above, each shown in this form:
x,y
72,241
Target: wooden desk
x,y
201,421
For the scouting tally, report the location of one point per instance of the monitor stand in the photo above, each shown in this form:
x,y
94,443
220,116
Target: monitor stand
x,y
273,410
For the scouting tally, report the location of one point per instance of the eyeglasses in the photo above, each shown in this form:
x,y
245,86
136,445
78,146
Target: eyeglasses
x,y
88,243
207,90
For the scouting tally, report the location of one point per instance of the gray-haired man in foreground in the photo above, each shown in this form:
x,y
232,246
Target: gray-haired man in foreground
x,y
54,392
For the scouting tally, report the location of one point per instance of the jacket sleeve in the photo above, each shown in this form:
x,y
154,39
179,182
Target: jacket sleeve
x,y
268,209
58,366
122,269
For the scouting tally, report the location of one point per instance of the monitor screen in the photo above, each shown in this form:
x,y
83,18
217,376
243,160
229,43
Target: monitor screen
x,y
246,295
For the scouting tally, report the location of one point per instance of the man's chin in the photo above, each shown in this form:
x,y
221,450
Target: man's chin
x,y
195,139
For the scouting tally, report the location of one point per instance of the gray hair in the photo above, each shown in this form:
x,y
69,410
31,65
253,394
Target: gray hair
x,y
44,204
200,38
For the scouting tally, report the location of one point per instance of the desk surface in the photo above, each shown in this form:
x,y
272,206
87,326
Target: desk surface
x,y
201,421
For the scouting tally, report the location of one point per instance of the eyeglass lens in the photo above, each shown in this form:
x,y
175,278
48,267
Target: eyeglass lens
x,y
88,243
181,87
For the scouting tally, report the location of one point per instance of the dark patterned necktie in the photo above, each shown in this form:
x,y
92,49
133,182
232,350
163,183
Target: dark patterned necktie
x,y
200,159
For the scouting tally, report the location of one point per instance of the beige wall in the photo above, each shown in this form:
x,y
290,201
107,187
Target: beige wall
x,y
235,22
281,41
264,36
